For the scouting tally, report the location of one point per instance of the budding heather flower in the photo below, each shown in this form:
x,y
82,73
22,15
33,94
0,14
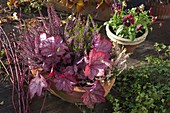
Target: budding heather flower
x,y
154,19
150,11
139,27
128,20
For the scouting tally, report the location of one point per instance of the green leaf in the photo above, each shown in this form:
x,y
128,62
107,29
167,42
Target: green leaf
x,y
119,29
2,52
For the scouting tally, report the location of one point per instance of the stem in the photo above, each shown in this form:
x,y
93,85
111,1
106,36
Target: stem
x,y
4,67
12,74
13,92
16,72
43,103
20,80
99,4
27,101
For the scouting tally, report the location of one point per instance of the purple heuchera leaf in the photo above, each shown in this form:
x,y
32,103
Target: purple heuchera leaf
x,y
102,44
50,46
97,63
98,59
65,82
94,95
53,49
49,62
91,72
69,70
67,58
36,85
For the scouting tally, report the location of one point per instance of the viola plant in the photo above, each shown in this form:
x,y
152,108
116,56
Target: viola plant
x,y
130,23
68,55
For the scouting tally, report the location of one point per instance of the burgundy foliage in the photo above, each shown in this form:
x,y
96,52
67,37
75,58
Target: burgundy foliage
x,y
36,85
97,63
65,82
94,95
72,55
102,44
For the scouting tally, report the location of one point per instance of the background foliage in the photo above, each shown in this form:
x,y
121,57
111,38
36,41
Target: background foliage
x,y
144,89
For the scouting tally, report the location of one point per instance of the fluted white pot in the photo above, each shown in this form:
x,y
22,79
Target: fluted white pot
x,y
127,43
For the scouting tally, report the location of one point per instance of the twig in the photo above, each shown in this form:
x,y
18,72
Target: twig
x,y
43,104
4,67
20,80
9,63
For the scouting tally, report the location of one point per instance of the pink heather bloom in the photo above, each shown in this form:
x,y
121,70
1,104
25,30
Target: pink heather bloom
x,y
128,20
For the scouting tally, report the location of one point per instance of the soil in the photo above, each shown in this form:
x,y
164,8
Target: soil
x,y
56,105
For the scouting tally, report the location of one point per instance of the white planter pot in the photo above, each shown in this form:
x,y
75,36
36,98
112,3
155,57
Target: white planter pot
x,y
124,41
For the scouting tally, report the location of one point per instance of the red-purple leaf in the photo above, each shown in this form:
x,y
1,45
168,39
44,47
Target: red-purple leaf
x,y
91,72
102,44
67,58
53,50
36,85
49,62
97,59
97,64
94,95
52,46
69,70
65,82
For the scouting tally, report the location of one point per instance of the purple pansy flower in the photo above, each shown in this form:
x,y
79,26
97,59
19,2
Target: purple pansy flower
x,y
128,20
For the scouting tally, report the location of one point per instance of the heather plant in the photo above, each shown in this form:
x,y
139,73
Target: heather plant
x,y
144,89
